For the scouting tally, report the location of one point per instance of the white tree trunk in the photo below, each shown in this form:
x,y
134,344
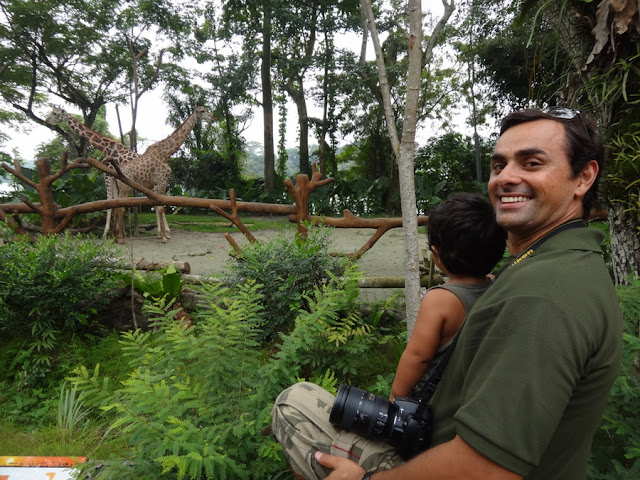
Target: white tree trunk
x,y
404,150
406,166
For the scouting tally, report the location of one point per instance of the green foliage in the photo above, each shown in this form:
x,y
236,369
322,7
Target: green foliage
x,y
623,181
49,289
197,398
165,285
447,165
187,404
49,440
616,447
287,269
330,335
70,409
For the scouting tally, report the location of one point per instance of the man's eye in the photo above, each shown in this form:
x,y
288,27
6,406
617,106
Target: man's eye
x,y
496,167
532,163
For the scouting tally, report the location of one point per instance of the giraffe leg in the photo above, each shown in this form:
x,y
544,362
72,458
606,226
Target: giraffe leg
x,y
119,225
107,225
167,230
161,221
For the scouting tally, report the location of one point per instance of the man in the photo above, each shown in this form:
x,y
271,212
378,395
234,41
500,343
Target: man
x,y
528,381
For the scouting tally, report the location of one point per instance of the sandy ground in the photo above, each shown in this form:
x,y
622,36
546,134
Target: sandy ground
x,y
207,253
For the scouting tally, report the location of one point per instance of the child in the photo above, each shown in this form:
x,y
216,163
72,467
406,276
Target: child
x,y
465,243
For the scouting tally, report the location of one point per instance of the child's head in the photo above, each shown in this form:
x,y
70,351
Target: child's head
x,y
464,231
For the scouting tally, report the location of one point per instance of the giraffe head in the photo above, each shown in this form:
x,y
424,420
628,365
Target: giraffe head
x,y
204,114
57,115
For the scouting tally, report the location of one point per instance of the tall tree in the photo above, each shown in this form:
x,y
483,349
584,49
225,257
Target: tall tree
x,y
404,147
252,20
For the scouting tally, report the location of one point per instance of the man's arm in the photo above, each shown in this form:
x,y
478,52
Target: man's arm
x,y
451,460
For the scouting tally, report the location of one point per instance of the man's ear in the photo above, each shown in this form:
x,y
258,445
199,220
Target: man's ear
x,y
586,178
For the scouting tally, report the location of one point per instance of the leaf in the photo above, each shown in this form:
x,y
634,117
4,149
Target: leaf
x,y
601,30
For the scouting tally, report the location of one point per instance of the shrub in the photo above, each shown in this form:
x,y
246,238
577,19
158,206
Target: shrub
x,y
199,397
616,447
286,269
188,406
48,289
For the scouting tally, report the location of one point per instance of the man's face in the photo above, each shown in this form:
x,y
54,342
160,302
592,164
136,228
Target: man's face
x,y
530,187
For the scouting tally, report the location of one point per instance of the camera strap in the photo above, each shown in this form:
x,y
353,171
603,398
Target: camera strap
x,y
428,389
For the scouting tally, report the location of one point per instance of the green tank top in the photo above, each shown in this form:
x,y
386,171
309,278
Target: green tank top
x,y
467,293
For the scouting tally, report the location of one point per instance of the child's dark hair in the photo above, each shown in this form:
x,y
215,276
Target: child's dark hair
x,y
464,230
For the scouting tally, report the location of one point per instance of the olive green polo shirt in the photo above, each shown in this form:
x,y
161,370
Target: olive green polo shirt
x,y
530,376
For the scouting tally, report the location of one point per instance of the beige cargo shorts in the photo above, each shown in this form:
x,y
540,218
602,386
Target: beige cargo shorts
x,y
301,425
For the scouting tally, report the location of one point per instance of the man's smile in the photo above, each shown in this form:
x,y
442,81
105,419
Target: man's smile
x,y
514,199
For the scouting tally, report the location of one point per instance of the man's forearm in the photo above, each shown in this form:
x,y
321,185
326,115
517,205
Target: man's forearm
x,y
451,460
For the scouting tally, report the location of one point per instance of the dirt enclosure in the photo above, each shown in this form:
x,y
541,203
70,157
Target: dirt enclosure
x,y
207,253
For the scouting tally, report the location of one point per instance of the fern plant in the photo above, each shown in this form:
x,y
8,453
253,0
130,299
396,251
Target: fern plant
x,y
187,407
199,397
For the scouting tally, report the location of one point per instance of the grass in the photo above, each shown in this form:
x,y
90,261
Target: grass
x,y
53,441
216,223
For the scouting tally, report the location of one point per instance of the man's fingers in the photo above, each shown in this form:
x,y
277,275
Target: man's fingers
x,y
343,468
326,460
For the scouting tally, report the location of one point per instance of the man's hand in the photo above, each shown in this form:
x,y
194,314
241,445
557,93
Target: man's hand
x,y
343,468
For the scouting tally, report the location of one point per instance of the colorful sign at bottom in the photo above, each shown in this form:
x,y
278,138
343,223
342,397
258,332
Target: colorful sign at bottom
x,y
38,468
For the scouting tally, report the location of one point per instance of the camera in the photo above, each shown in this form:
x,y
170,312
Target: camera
x,y
401,422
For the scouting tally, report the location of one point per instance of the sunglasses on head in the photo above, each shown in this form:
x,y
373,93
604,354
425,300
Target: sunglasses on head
x,y
565,113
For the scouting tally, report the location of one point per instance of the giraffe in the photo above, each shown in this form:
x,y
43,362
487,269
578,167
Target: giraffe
x,y
152,170
111,148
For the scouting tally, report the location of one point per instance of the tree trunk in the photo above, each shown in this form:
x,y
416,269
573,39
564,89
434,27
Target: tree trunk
x,y
295,90
625,246
404,150
267,103
406,166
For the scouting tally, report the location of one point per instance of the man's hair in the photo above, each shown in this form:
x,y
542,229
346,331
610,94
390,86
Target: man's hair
x,y
583,144
464,230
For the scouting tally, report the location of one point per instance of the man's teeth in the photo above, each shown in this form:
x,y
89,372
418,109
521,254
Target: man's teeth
x,y
513,199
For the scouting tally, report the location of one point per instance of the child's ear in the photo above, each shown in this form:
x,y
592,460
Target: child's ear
x,y
434,250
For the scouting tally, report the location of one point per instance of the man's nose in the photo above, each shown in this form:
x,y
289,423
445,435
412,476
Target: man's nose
x,y
509,175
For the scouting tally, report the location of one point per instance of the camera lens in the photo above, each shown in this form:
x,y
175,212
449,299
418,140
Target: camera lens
x,y
362,412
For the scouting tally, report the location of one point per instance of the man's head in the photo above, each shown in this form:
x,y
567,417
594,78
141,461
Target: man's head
x,y
583,141
543,172
463,232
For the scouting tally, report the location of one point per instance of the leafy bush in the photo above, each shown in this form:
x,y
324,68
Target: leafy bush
x,y
331,335
187,407
616,447
286,269
199,397
48,289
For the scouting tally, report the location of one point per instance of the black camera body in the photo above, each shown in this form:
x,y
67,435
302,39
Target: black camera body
x,y
402,422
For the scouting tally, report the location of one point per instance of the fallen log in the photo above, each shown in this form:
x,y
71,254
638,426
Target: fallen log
x,y
149,265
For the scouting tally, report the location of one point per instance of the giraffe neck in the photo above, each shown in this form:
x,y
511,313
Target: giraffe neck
x,y
172,143
108,146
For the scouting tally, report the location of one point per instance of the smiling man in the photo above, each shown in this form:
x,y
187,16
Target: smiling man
x,y
526,386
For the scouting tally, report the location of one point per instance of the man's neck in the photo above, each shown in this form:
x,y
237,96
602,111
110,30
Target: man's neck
x,y
518,244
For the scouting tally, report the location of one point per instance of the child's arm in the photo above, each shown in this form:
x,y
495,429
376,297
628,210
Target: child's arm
x,y
439,308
